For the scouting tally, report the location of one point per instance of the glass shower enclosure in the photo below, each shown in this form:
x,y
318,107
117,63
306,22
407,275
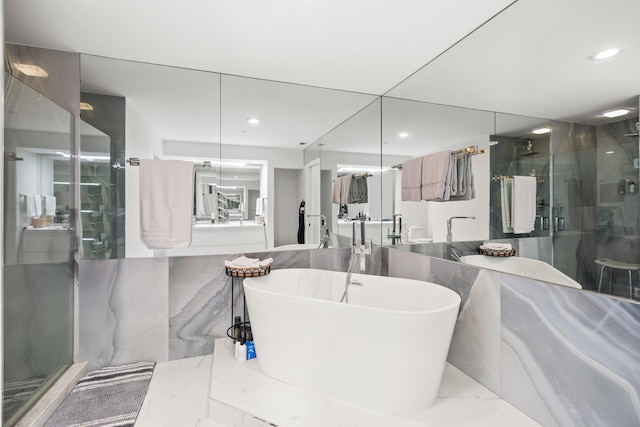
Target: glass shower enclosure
x,y
38,247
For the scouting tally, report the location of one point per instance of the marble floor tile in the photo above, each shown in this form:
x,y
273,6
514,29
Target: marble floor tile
x,y
241,395
178,394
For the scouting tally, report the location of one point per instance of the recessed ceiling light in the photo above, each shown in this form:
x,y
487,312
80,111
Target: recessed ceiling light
x,y
31,70
604,54
610,152
85,106
253,120
403,135
541,131
616,113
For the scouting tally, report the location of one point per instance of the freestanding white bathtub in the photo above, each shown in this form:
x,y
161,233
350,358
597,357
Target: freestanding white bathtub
x,y
385,350
526,267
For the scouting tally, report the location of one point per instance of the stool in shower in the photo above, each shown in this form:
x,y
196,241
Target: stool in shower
x,y
618,265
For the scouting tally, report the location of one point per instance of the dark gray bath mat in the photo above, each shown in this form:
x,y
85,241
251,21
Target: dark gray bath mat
x,y
106,397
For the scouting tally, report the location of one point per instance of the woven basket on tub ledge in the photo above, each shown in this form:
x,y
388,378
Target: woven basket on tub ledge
x,y
496,252
248,271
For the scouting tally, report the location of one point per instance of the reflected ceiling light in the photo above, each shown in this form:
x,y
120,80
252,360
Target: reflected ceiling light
x,y
610,152
253,120
85,106
616,113
541,131
31,70
604,54
403,135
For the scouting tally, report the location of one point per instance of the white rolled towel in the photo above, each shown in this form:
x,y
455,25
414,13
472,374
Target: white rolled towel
x,y
496,246
244,262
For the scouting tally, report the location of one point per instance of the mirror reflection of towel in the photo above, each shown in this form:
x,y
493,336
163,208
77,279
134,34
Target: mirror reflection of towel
x,y
505,198
210,202
523,204
50,205
33,205
337,190
411,180
359,190
436,176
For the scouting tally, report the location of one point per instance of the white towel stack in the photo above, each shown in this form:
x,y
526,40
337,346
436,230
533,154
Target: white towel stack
x,y
496,246
244,262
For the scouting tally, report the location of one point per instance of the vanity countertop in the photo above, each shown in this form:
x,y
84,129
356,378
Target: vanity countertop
x,y
230,224
50,228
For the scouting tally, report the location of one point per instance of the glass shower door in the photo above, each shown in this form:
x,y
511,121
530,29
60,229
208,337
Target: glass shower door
x,y
37,247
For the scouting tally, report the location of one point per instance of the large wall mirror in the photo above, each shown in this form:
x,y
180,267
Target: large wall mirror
x,y
243,135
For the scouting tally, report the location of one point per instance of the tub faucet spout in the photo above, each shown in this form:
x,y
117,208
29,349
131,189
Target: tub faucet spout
x,y
356,260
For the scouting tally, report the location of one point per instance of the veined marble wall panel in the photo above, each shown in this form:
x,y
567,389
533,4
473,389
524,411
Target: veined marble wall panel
x,y
200,298
199,304
475,346
569,357
123,311
408,265
540,248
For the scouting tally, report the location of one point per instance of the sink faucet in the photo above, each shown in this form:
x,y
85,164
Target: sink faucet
x,y
325,236
396,238
355,260
449,236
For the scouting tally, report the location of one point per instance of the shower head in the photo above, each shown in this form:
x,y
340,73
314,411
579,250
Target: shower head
x,y
528,151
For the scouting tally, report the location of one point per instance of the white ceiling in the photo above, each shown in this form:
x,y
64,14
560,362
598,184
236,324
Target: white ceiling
x,y
358,45
531,59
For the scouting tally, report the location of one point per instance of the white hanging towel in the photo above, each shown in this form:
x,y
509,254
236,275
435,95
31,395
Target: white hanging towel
x,y
506,186
411,181
337,190
345,188
166,203
50,205
523,204
31,203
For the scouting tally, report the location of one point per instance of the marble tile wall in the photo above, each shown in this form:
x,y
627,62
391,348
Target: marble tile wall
x,y
173,308
563,356
123,311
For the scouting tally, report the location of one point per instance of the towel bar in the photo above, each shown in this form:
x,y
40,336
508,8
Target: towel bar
x,y
472,150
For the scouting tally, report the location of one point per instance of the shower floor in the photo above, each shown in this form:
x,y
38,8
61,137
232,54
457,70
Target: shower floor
x,y
16,393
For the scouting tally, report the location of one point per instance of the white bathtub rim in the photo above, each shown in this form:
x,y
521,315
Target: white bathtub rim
x,y
568,282
445,307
